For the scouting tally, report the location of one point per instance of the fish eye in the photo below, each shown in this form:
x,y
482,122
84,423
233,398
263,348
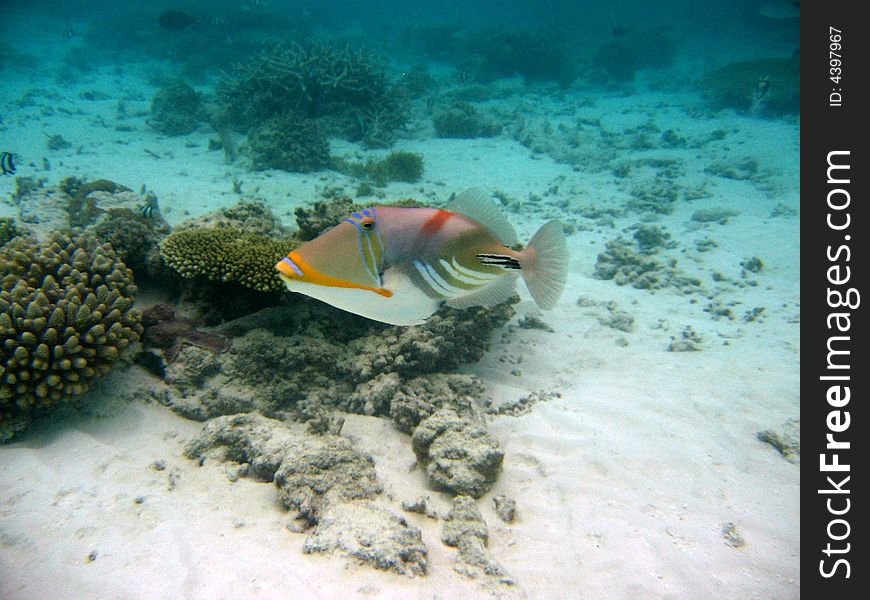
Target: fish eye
x,y
367,223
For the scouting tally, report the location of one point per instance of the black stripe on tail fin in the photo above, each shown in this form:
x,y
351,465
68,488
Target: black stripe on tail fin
x,y
500,260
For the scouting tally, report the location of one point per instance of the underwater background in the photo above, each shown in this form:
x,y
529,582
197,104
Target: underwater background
x,y
174,423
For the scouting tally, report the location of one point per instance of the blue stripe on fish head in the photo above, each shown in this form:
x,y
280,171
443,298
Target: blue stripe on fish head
x,y
369,243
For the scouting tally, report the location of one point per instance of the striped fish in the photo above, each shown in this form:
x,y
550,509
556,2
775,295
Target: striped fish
x,y
399,265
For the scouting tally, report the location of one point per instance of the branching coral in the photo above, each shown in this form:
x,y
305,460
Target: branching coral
x,y
462,120
316,80
65,315
396,166
226,254
176,109
290,142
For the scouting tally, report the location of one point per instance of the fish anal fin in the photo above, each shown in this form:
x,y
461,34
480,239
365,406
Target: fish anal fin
x,y
498,291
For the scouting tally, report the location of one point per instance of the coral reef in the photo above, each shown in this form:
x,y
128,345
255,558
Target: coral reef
x,y
82,207
290,142
462,120
396,166
65,316
459,455
163,330
320,216
226,254
536,54
248,216
766,86
342,88
135,239
9,230
620,58
324,481
176,109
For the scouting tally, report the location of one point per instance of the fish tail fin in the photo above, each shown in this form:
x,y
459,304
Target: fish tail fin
x,y
544,264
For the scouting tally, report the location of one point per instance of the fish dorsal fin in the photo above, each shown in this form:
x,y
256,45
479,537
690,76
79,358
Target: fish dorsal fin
x,y
495,293
478,204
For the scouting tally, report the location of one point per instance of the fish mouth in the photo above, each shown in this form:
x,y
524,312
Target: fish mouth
x,y
288,269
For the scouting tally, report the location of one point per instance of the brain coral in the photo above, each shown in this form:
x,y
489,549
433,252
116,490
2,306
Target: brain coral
x,y
227,254
65,315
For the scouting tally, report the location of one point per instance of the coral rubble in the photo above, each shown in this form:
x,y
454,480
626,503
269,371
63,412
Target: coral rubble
x,y
459,455
324,481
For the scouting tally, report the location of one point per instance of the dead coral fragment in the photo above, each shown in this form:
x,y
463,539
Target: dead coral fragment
x,y
787,440
465,529
227,254
459,455
325,481
307,469
372,535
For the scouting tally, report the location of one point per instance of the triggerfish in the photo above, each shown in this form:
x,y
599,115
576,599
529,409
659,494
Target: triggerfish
x,y
399,265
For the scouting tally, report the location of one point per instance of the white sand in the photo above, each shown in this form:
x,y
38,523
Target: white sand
x,y
623,484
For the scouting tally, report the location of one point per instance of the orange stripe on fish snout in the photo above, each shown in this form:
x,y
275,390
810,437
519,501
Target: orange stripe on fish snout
x,y
315,277
434,224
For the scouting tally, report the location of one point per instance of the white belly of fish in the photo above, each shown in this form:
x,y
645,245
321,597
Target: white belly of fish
x,y
407,306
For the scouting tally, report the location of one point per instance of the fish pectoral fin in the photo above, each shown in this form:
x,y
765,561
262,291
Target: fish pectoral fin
x,y
498,291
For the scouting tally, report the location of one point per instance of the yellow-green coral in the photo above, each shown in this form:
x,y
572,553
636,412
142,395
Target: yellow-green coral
x,y
227,254
8,230
65,315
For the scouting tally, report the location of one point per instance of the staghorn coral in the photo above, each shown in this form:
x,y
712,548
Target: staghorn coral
x,y
176,109
462,120
291,142
226,254
395,166
343,87
65,315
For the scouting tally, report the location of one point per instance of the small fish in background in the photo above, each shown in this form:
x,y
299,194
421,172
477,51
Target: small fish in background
x,y
7,165
175,20
150,208
69,34
399,265
217,21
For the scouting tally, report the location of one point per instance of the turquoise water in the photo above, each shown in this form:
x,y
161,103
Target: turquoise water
x,y
641,438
